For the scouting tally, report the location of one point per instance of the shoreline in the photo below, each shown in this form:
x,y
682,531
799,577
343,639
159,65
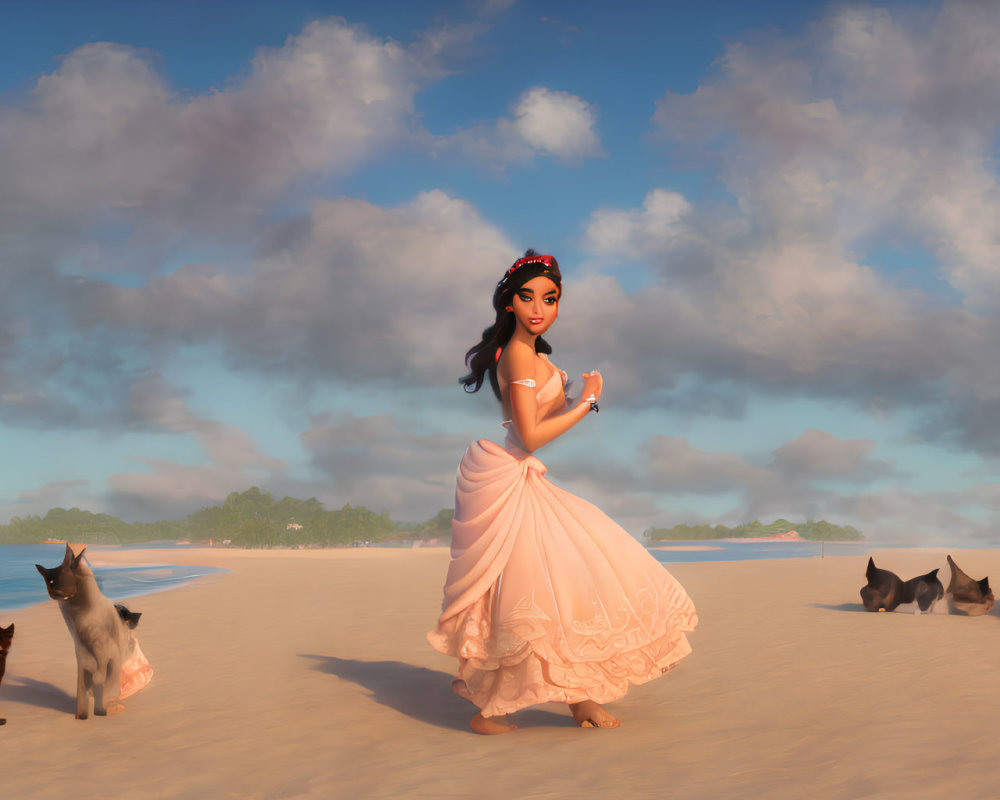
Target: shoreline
x,y
680,548
316,661
103,556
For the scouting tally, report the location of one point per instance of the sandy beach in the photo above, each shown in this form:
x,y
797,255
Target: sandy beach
x,y
307,674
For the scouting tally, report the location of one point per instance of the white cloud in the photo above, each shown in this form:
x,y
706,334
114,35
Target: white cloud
x,y
545,123
557,124
814,475
817,455
675,466
351,290
105,135
57,494
157,406
379,462
632,233
869,127
170,490
869,124
794,482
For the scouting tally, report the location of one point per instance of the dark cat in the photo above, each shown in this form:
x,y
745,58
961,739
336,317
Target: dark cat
x,y
6,637
130,618
969,596
884,590
102,638
924,590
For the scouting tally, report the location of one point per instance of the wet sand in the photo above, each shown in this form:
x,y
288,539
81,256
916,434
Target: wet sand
x,y
306,674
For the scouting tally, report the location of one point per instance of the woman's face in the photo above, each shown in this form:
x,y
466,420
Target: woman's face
x,y
536,305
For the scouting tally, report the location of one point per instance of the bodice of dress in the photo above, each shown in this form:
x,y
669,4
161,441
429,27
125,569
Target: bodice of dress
x,y
550,400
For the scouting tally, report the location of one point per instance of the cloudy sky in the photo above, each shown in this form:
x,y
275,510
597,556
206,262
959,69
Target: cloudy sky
x,y
249,243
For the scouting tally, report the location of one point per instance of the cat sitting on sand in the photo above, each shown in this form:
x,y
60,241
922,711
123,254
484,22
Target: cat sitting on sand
x,y
6,636
966,595
884,590
110,665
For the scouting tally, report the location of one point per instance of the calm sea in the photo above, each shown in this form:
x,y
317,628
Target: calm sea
x,y
726,550
21,585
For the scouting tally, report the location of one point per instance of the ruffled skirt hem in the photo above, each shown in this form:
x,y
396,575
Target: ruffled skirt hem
x,y
503,686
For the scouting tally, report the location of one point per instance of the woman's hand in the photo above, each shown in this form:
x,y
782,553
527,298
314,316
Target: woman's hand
x,y
593,383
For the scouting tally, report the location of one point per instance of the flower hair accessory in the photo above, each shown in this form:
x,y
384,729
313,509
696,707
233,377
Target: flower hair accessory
x,y
548,261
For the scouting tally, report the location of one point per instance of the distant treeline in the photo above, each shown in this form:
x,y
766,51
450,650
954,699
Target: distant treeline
x,y
250,519
254,519
820,530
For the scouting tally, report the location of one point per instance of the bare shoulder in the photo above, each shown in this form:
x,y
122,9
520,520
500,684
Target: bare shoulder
x,y
518,362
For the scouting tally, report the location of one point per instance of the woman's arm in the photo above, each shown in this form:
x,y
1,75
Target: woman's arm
x,y
535,434
522,362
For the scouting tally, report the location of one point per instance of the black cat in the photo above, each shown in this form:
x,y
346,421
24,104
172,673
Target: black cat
x,y
130,618
924,590
6,636
884,590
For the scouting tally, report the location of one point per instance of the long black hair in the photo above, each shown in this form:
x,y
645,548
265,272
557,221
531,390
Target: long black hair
x,y
482,358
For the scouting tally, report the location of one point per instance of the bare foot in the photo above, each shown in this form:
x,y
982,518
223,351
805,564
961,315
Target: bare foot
x,y
589,714
489,725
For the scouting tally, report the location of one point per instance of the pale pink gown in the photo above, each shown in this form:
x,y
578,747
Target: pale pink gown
x,y
547,599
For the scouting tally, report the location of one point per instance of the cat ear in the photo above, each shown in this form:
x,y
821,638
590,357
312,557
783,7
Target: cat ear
x,y
76,560
68,558
41,569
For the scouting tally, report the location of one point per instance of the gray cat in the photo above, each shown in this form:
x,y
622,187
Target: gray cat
x,y
102,637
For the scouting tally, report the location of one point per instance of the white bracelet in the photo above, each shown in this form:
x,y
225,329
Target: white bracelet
x,y
593,403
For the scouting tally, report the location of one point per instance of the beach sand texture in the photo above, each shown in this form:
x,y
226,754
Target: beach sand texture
x,y
307,674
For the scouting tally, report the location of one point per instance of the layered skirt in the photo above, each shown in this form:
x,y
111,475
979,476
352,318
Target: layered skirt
x,y
547,599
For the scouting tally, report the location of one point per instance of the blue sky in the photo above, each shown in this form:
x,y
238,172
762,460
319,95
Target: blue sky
x,y
249,243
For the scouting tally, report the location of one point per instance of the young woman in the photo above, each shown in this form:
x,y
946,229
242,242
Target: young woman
x,y
546,599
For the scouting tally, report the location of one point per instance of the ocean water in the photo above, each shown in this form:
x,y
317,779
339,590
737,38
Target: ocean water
x,y
727,550
21,585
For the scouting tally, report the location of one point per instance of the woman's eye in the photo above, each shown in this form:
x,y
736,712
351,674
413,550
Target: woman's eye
x,y
524,298
551,300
